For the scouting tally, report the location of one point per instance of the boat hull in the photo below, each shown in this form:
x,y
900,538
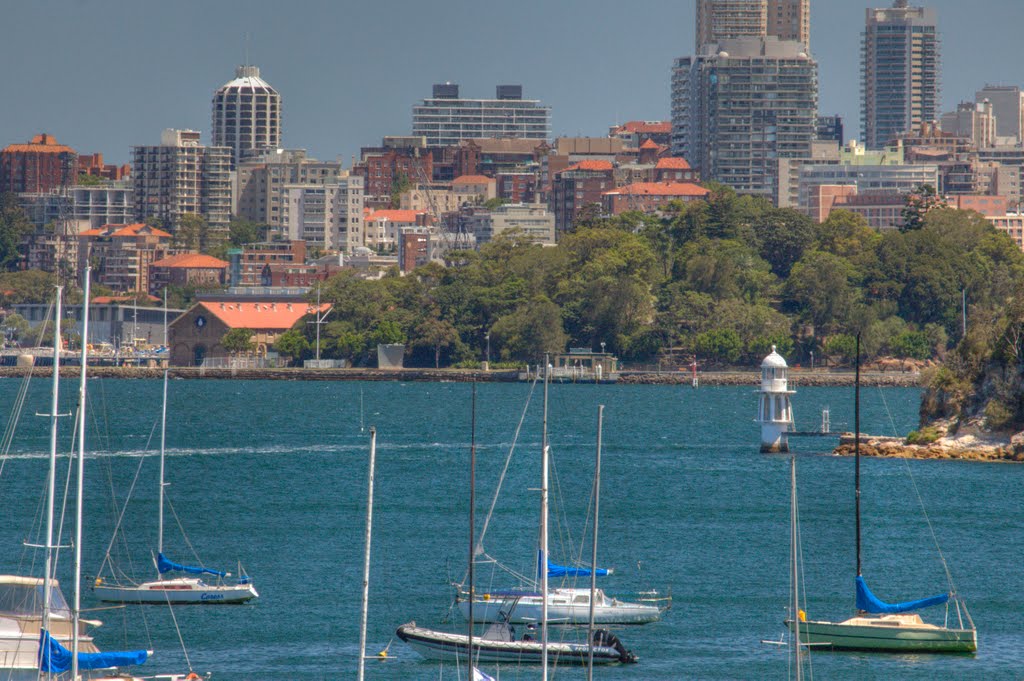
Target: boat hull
x,y
177,592
450,647
886,635
527,610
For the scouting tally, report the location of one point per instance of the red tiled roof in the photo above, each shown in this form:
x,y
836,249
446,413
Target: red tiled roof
x,y
650,144
126,230
672,163
393,215
191,261
472,179
45,144
659,189
591,165
269,315
647,126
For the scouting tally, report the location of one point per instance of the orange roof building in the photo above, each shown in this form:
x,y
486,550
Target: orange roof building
x,y
187,269
39,166
649,197
197,334
121,255
382,226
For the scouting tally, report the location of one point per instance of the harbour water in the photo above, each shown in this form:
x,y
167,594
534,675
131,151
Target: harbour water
x,y
274,474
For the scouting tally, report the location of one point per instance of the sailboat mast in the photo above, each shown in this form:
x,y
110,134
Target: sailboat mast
x,y
76,612
366,556
543,562
794,566
472,523
51,482
856,447
593,555
160,502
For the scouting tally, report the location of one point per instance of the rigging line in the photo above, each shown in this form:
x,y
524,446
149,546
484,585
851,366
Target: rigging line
x,y
508,461
64,502
124,508
184,536
920,501
181,640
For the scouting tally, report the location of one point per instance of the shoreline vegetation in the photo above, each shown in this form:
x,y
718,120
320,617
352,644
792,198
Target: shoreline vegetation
x,y
805,379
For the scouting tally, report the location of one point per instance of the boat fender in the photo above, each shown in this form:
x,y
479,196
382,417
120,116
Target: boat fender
x,y
99,580
802,615
487,597
192,676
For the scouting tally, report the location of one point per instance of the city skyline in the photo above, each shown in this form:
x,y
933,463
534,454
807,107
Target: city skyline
x,y
350,75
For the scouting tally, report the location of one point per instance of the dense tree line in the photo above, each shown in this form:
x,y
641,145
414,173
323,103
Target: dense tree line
x,y
723,279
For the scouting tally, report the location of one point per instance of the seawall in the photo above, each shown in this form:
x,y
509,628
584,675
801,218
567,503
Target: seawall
x,y
797,380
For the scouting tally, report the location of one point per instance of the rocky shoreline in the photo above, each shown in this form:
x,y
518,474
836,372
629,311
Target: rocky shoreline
x,y
969,446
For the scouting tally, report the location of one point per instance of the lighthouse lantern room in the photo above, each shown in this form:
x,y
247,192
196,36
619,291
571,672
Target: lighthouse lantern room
x,y
774,412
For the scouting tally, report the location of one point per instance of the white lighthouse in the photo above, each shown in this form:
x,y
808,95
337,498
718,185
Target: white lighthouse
x,y
774,412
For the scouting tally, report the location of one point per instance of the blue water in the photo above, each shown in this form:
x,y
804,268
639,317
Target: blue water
x,y
274,474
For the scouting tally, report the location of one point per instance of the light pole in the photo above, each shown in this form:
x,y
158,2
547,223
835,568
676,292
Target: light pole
x,y
487,357
812,360
602,347
319,321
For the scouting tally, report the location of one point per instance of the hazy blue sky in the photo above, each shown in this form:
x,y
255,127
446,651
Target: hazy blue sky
x,y
103,75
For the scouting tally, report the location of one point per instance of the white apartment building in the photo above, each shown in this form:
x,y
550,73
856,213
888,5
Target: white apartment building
x,y
446,118
259,190
532,220
328,216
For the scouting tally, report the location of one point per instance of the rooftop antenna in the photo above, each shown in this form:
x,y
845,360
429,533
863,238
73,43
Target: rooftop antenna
x,y
245,41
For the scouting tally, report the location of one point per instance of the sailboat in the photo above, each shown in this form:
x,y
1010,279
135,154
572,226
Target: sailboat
x,y
35,620
879,626
498,643
565,605
175,590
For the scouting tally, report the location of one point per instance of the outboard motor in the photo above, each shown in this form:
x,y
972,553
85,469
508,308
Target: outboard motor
x,y
603,637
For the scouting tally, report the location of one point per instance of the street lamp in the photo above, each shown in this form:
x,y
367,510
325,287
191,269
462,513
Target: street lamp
x,y
602,347
487,360
812,360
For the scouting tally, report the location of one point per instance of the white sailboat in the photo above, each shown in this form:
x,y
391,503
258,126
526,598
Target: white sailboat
x,y
176,590
888,627
499,643
36,623
564,605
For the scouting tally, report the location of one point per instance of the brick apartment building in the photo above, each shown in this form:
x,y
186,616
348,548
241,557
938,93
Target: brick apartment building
x,y
39,166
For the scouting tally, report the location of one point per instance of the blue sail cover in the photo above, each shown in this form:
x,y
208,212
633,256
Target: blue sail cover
x,y
868,602
56,659
164,565
563,571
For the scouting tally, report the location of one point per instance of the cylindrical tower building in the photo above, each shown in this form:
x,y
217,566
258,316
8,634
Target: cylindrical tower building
x,y
774,412
246,115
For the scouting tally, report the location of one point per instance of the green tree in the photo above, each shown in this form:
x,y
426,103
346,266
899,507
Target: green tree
x,y
784,235
918,204
237,341
16,328
533,330
27,286
399,185
87,180
912,344
292,344
841,345
192,232
242,232
436,334
14,227
820,289
723,345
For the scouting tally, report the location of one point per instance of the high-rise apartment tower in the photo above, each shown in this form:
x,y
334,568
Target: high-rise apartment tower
x,y
901,66
719,20
246,115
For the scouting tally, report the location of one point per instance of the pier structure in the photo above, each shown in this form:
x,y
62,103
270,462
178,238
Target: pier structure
x,y
774,411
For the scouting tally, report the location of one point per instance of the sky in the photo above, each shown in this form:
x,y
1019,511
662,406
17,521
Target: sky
x,y
103,75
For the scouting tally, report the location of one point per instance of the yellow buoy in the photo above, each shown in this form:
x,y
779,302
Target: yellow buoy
x,y
802,615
